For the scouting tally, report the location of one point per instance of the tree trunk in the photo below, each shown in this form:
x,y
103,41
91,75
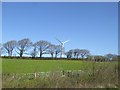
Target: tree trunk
x,y
77,56
40,54
67,56
10,53
21,54
52,55
55,55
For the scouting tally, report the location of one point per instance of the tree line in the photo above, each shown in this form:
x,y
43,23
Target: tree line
x,y
25,46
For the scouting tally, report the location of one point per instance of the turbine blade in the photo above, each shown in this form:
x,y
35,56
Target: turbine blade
x,y
59,40
66,41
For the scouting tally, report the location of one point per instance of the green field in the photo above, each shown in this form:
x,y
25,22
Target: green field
x,y
31,66
19,73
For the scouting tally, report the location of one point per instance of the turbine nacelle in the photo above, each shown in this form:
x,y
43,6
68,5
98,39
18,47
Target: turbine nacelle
x,y
62,45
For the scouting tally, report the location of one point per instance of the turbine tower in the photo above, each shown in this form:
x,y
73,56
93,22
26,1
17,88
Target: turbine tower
x,y
62,47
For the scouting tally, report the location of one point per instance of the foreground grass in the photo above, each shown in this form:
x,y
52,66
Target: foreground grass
x,y
92,74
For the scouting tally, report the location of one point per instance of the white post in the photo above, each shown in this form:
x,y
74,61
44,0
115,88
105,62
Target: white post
x,y
13,76
35,75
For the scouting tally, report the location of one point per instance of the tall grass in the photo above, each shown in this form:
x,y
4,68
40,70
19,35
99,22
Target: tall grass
x,y
88,75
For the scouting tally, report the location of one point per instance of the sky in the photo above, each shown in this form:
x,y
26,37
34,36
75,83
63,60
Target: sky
x,y
92,26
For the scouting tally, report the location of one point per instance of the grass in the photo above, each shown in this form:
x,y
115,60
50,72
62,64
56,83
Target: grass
x,y
30,66
93,75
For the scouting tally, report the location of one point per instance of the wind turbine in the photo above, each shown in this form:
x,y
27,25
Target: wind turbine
x,y
62,46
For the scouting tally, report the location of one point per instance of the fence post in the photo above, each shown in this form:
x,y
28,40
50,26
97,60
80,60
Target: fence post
x,y
13,76
35,75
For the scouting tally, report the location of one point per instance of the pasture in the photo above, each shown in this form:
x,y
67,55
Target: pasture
x,y
59,73
30,66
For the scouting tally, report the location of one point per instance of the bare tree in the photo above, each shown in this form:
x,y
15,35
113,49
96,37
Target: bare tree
x,y
76,53
90,57
57,50
51,50
23,45
1,49
42,46
69,54
84,52
110,56
34,52
99,58
9,46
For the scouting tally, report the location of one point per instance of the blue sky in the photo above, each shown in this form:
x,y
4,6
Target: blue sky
x,y
92,26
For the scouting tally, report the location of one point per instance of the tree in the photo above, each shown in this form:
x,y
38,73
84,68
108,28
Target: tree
x,y
57,50
90,57
99,58
76,53
1,49
34,51
69,53
51,50
110,56
23,45
84,52
9,46
42,46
